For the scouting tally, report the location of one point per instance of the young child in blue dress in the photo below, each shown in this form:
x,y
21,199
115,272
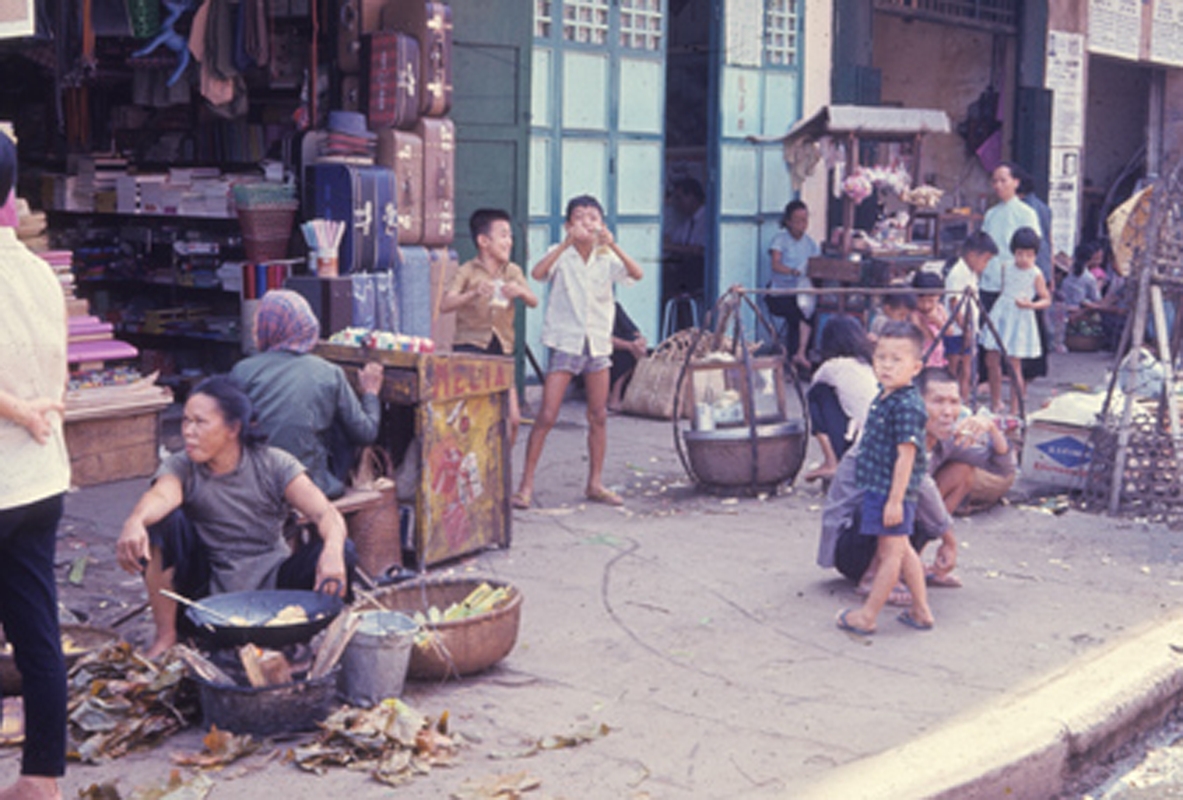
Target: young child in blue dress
x,y
1024,292
890,466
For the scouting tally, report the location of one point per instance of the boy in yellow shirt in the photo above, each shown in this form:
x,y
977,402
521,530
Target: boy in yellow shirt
x,y
482,294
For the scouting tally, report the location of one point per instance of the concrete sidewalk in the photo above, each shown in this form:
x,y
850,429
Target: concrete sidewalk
x,y
700,630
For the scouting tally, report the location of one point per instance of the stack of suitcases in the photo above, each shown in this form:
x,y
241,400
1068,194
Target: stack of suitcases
x,y
394,63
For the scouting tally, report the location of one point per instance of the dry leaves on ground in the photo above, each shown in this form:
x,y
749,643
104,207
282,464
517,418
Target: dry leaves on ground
x,y
392,741
497,787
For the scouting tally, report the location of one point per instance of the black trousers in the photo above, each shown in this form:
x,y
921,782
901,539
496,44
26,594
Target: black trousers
x,y
826,416
29,612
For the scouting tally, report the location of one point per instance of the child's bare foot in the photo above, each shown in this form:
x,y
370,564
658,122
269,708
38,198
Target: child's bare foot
x,y
821,472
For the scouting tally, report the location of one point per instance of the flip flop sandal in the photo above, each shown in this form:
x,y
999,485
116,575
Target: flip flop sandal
x,y
520,501
949,581
906,618
846,626
899,597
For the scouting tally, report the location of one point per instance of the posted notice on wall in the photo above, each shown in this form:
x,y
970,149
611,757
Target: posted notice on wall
x,y
1115,27
1166,35
16,19
1063,198
744,32
1065,77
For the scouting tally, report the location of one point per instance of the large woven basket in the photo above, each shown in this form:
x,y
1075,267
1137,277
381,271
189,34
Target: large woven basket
x,y
463,646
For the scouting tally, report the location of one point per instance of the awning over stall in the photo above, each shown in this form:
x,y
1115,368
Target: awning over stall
x,y
873,122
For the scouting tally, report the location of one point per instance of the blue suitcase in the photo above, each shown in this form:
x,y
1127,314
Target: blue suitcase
x,y
363,198
421,279
413,289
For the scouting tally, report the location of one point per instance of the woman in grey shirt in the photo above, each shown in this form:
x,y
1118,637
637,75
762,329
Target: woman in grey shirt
x,y
213,520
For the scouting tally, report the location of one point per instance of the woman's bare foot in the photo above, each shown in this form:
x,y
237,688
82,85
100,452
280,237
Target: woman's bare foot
x,y
158,648
32,787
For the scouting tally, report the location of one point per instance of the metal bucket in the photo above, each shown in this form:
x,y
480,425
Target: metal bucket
x,y
374,666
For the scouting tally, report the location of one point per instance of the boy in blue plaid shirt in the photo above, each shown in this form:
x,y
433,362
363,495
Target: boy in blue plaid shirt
x,y
889,470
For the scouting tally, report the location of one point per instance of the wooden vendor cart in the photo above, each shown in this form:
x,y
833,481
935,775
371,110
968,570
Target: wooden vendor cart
x,y
460,408
872,137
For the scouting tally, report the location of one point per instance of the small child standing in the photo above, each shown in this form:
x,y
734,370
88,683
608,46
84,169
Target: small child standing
x,y
578,331
1024,292
482,293
890,467
976,252
930,315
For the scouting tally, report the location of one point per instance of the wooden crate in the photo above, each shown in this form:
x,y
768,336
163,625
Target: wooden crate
x,y
113,448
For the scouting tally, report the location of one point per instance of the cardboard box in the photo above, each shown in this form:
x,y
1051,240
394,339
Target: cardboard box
x,y
1057,451
1057,454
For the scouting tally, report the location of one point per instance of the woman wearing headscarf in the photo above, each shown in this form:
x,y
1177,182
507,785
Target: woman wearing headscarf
x,y
304,403
34,477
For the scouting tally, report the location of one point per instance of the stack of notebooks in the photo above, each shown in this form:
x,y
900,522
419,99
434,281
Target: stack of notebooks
x,y
91,341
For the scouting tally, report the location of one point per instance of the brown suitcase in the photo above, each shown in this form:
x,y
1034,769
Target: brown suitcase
x,y
355,19
439,188
402,151
390,79
431,24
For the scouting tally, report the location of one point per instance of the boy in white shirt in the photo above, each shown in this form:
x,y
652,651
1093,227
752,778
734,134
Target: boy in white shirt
x,y
578,330
976,252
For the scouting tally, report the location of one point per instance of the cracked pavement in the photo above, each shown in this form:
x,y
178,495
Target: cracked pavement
x,y
701,632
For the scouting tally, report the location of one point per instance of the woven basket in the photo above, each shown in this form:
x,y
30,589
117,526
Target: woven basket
x,y
266,230
1082,343
650,393
462,646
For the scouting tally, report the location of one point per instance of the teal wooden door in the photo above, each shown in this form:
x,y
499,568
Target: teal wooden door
x,y
491,78
756,91
490,104
597,107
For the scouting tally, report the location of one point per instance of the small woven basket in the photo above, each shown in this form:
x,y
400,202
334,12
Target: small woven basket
x,y
266,230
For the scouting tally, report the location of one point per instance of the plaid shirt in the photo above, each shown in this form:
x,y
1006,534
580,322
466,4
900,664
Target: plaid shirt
x,y
895,419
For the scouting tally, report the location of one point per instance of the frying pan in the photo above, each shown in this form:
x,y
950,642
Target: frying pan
x,y
257,607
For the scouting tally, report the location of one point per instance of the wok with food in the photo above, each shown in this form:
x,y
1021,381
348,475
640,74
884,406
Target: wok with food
x,y
266,617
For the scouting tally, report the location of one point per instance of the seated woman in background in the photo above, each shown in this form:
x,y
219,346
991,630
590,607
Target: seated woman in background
x,y
213,520
1079,291
628,347
304,403
841,393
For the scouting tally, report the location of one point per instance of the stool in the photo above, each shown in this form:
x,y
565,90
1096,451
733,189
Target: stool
x,y
673,306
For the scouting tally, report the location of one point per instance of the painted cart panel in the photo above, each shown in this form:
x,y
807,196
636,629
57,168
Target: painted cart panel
x,y
461,406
